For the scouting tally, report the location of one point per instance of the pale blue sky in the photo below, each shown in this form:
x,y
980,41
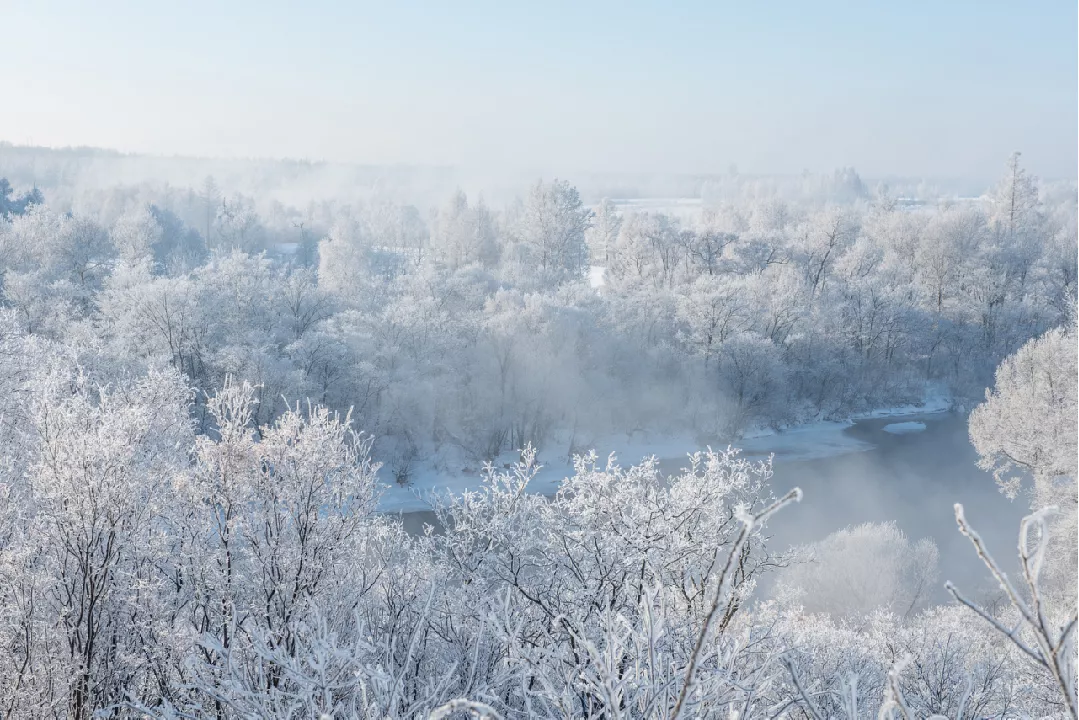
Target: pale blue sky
x,y
944,88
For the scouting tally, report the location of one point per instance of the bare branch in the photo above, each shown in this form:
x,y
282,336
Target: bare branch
x,y
748,523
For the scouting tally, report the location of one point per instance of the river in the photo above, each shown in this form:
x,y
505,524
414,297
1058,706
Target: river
x,y
913,479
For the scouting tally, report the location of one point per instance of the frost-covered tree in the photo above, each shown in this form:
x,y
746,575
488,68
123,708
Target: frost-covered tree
x,y
465,234
713,310
55,266
135,236
1026,433
752,382
1015,200
283,511
344,257
209,199
603,232
649,249
11,205
590,610
550,235
237,226
862,569
95,492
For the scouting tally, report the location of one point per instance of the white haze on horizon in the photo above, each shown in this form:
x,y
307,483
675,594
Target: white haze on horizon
x,y
557,90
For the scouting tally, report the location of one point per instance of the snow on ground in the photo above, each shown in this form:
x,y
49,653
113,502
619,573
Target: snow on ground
x,y
904,427
597,276
811,441
805,442
935,402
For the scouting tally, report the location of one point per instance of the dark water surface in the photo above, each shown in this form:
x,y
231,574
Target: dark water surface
x,y
913,479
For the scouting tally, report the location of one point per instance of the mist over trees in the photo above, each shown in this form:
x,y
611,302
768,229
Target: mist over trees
x,y
201,388
473,330
93,180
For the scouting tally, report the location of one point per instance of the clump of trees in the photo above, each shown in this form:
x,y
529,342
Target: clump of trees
x,y
11,205
469,331
858,570
1026,432
188,505
160,563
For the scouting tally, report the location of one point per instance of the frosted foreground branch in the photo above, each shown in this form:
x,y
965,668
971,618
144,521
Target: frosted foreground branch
x,y
1053,648
147,570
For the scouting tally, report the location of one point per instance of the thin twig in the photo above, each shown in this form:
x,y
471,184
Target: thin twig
x,y
748,522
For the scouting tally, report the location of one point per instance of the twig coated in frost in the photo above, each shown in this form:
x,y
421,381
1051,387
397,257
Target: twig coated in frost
x,y
1051,645
794,495
478,709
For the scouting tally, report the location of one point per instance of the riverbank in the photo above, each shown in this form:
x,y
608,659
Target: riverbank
x,y
812,441
911,479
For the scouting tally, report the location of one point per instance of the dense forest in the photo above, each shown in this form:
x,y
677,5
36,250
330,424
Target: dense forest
x,y
470,330
201,387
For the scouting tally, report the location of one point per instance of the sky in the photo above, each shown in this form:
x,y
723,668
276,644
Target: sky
x,y
935,89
